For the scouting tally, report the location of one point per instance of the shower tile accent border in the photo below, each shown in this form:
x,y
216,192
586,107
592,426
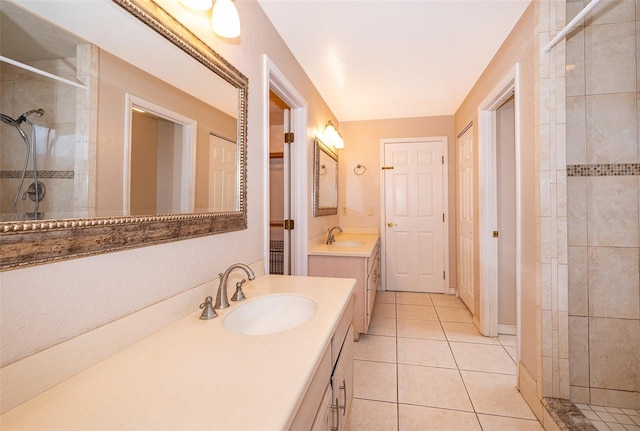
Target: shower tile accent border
x,y
43,174
604,170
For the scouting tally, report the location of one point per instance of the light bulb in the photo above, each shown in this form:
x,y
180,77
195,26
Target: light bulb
x,y
225,21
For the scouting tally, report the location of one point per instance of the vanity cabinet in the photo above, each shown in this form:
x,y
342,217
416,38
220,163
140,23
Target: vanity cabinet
x,y
327,404
366,271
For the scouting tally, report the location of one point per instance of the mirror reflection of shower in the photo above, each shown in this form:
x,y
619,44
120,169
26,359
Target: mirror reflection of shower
x,y
36,190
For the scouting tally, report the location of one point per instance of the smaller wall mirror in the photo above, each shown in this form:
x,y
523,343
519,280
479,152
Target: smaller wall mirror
x,y
325,180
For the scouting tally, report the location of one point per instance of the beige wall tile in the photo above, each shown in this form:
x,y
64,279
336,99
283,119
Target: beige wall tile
x,y
612,211
580,394
614,282
577,211
612,131
579,351
578,282
576,131
610,47
613,354
612,11
620,399
575,71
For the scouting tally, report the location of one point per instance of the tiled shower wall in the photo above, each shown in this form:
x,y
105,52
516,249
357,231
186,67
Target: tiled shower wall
x,y
65,148
603,177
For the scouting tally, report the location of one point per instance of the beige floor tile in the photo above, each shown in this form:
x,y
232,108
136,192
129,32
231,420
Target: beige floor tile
x,y
501,423
466,333
413,298
418,312
483,357
429,353
496,394
382,326
447,300
513,353
385,297
432,387
382,309
426,329
454,314
417,418
375,381
375,348
367,415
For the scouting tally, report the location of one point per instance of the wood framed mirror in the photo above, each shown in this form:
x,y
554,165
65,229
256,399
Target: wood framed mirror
x,y
325,180
92,227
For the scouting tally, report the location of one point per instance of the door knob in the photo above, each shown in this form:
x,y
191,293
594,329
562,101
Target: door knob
x,y
390,224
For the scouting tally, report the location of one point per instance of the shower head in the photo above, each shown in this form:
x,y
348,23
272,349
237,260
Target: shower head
x,y
10,121
23,117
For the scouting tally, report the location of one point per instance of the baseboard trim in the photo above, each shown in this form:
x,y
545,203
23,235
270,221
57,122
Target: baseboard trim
x,y
507,329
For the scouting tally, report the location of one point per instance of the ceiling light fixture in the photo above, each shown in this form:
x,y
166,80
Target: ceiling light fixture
x,y
331,136
225,21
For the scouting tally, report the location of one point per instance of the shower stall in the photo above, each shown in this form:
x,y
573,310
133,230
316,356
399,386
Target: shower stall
x,y
603,177
45,119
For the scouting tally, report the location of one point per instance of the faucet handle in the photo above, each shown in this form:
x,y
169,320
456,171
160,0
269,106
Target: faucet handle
x,y
208,312
238,295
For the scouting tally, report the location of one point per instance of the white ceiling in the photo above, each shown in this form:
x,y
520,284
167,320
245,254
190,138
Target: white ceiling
x,y
374,59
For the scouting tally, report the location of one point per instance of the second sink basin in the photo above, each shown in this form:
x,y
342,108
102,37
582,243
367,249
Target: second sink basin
x,y
348,243
270,314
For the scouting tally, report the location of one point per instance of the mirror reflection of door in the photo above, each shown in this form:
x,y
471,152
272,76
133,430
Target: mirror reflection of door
x,y
279,238
223,156
156,165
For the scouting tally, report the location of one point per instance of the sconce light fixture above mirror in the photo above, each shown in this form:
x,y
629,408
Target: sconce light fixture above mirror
x,y
325,180
332,137
225,21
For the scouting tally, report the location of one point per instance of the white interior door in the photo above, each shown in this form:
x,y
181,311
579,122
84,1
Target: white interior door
x,y
465,216
223,162
414,216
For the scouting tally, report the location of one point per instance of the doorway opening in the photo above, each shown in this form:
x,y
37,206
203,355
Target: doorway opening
x,y
279,186
159,159
294,173
500,209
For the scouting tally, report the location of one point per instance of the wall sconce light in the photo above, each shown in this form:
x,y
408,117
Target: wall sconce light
x,y
331,136
225,21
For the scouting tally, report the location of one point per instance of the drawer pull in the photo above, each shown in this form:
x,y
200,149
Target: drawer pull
x,y
343,386
336,407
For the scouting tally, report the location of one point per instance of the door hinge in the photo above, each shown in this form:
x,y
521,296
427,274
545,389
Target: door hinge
x,y
444,275
442,216
288,224
495,234
443,160
288,138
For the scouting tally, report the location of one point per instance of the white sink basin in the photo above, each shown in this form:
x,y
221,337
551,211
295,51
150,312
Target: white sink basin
x,y
270,314
348,243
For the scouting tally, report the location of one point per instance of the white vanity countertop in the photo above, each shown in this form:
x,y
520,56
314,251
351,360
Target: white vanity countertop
x,y
364,250
194,374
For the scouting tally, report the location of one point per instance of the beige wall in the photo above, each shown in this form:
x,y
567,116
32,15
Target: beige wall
x,y
144,166
359,193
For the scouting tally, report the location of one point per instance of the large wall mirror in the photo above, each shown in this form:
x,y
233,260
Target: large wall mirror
x,y
325,180
119,129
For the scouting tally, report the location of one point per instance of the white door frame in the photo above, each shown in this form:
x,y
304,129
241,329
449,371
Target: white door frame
x,y
488,202
445,204
189,144
275,81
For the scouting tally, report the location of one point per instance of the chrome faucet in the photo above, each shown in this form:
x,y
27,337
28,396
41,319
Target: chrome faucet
x,y
222,301
330,238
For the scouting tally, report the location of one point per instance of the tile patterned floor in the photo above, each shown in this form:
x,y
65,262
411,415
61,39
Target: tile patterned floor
x,y
611,418
424,366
